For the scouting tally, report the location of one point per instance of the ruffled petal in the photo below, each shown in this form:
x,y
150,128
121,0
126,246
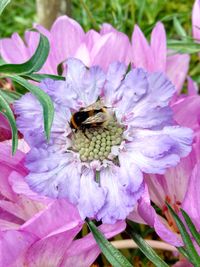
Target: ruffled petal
x,y
145,100
54,174
112,92
92,196
154,151
119,201
87,84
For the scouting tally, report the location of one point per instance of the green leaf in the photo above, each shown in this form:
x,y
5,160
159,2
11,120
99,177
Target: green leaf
x,y
192,253
191,227
3,4
39,77
7,112
183,251
113,255
10,96
44,99
145,248
34,64
179,29
186,46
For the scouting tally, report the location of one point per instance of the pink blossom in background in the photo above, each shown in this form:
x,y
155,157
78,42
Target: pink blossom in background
x,y
67,39
154,56
196,20
36,231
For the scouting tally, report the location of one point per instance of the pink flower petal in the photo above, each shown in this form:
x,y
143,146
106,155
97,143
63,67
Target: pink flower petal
x,y
159,47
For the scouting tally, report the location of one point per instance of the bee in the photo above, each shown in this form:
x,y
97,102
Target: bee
x,y
94,115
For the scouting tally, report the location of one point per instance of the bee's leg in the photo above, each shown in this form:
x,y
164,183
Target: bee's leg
x,y
84,133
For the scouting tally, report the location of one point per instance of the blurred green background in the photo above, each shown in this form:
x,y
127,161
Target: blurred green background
x,y
122,14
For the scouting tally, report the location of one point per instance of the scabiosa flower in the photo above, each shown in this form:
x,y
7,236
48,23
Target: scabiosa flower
x,y
101,169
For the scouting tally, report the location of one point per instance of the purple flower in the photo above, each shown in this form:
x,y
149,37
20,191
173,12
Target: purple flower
x,y
179,185
101,169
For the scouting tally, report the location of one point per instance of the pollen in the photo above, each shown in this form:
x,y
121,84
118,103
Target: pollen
x,y
96,143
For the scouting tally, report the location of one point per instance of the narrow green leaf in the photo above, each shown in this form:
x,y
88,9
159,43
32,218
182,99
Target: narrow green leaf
x,y
145,248
187,46
34,64
45,100
191,227
113,255
183,251
3,4
7,112
10,96
39,77
186,238
179,29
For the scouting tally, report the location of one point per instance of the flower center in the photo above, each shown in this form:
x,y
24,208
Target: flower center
x,y
96,143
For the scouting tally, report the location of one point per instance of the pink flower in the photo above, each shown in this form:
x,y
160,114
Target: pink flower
x,y
67,39
37,231
196,20
179,185
154,56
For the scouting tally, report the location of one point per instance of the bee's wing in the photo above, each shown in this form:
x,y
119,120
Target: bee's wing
x,y
96,106
97,118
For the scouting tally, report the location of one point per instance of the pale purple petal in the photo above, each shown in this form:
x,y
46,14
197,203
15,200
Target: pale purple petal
x,y
112,92
87,84
119,200
88,205
154,151
54,174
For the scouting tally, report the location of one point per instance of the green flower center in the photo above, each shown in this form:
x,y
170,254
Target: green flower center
x,y
96,143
